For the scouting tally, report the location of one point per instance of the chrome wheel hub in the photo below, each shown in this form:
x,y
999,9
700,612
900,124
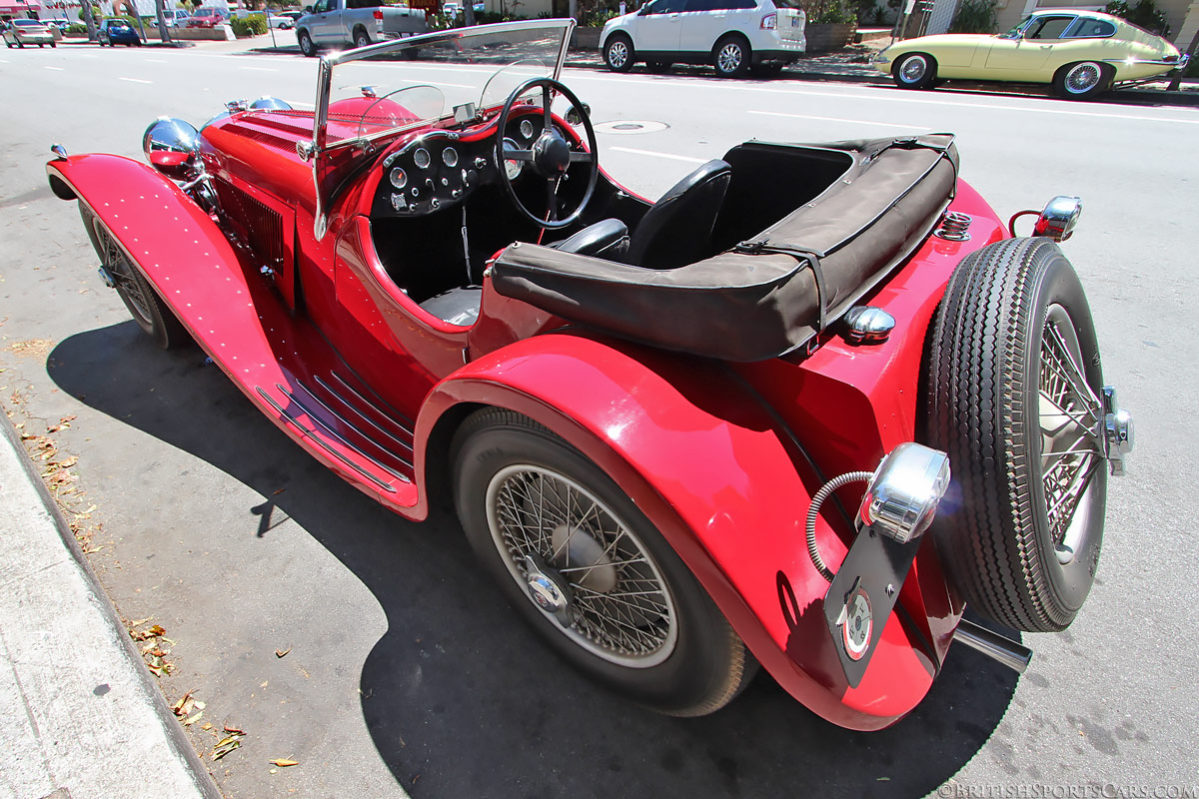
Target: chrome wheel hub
x,y
581,565
913,69
730,58
618,54
1082,78
1073,442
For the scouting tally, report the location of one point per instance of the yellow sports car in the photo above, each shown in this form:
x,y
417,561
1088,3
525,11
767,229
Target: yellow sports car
x,y
1082,53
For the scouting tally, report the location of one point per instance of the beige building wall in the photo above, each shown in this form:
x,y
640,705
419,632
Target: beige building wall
x,y
1012,11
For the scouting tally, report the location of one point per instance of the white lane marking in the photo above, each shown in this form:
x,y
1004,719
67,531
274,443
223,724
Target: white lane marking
x,y
56,69
156,61
881,94
838,119
651,153
137,80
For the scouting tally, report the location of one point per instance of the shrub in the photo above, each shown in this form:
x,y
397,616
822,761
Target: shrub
x,y
1145,13
252,25
829,12
975,16
76,29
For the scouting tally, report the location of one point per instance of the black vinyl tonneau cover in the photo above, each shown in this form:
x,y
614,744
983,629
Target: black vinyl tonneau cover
x,y
773,292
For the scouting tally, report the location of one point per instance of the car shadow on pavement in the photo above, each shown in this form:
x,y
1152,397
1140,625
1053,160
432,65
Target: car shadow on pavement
x,y
460,698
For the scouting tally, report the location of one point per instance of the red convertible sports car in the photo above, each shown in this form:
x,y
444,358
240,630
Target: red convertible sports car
x,y
799,412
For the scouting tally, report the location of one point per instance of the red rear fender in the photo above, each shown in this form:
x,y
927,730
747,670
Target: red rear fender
x,y
705,462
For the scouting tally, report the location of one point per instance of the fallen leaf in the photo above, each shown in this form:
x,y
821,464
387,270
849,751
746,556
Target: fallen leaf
x,y
281,652
281,762
206,725
187,722
157,630
234,730
178,706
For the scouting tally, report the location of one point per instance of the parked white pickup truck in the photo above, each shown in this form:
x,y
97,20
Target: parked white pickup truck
x,y
335,23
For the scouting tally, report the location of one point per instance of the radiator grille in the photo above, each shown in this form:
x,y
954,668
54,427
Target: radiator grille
x,y
255,223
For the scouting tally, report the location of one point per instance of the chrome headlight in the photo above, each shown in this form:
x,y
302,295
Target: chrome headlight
x,y
171,145
268,103
904,492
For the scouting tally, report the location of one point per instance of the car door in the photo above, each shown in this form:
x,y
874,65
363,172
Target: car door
x,y
704,21
1025,58
324,26
659,26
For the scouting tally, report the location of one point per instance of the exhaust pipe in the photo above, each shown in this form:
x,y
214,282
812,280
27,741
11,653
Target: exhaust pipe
x,y
1004,650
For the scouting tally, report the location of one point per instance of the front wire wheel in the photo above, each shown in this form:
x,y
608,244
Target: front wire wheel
x,y
1013,393
144,305
585,567
915,71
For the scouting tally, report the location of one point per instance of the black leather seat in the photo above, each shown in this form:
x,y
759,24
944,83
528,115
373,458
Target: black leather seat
x,y
677,230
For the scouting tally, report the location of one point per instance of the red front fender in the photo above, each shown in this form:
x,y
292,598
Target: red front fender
x,y
704,461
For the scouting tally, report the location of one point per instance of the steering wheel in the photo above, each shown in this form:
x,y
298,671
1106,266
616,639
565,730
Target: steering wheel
x,y
550,156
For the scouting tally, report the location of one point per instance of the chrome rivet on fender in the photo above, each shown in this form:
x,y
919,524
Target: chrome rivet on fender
x,y
868,324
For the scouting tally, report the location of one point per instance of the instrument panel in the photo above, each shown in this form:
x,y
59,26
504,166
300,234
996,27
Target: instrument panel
x,y
439,169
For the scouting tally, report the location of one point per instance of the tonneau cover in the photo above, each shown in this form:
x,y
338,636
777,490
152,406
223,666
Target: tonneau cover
x,y
773,292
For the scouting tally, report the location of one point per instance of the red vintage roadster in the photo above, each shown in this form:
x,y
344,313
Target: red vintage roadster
x,y
686,437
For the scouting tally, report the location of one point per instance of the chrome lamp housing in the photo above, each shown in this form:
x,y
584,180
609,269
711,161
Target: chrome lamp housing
x,y
904,492
173,147
1058,219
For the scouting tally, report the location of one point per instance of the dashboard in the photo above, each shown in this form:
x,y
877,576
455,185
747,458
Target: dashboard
x,y
442,168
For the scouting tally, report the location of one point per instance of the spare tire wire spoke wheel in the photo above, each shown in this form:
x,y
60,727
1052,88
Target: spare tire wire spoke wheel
x,y
585,567
1071,431
1013,387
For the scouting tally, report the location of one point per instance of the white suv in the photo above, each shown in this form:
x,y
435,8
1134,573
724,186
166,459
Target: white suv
x,y
734,36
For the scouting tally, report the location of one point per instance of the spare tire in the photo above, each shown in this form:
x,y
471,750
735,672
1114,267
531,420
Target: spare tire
x,y
1013,396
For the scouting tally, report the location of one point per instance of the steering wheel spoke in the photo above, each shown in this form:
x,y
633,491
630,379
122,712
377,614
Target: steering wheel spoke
x,y
551,155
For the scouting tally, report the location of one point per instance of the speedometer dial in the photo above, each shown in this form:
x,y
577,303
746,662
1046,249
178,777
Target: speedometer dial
x,y
511,168
449,157
421,158
399,178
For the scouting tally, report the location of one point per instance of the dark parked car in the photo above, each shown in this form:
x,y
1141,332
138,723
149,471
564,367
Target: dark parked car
x,y
117,31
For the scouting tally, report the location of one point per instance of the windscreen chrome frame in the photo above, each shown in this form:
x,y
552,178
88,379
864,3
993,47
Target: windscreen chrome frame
x,y
319,145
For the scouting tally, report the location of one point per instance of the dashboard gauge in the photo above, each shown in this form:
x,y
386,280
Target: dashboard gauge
x,y
421,158
449,157
398,178
512,168
526,128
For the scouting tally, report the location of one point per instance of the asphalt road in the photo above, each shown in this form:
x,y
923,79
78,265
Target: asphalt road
x,y
404,670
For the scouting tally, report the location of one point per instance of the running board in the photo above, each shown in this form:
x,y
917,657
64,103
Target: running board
x,y
340,415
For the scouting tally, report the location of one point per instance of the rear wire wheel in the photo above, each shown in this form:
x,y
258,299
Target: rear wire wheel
x,y
588,571
1014,387
147,309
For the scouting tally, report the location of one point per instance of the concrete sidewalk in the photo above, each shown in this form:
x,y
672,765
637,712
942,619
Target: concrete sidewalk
x,y
83,718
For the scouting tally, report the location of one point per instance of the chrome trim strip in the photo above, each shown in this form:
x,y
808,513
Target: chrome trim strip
x,y
1180,63
336,435
358,430
402,422
311,434
401,442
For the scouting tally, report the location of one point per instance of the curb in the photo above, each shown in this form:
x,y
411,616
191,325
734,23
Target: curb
x,y
175,739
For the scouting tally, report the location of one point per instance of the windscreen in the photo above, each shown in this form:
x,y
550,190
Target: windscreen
x,y
451,74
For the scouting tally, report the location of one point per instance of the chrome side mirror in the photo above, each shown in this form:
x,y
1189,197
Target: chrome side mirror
x,y
573,117
1058,219
904,492
172,147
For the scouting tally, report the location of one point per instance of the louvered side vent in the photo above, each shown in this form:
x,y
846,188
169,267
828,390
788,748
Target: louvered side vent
x,y
257,225
263,137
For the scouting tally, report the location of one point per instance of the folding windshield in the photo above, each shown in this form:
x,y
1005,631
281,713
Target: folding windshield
x,y
379,90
